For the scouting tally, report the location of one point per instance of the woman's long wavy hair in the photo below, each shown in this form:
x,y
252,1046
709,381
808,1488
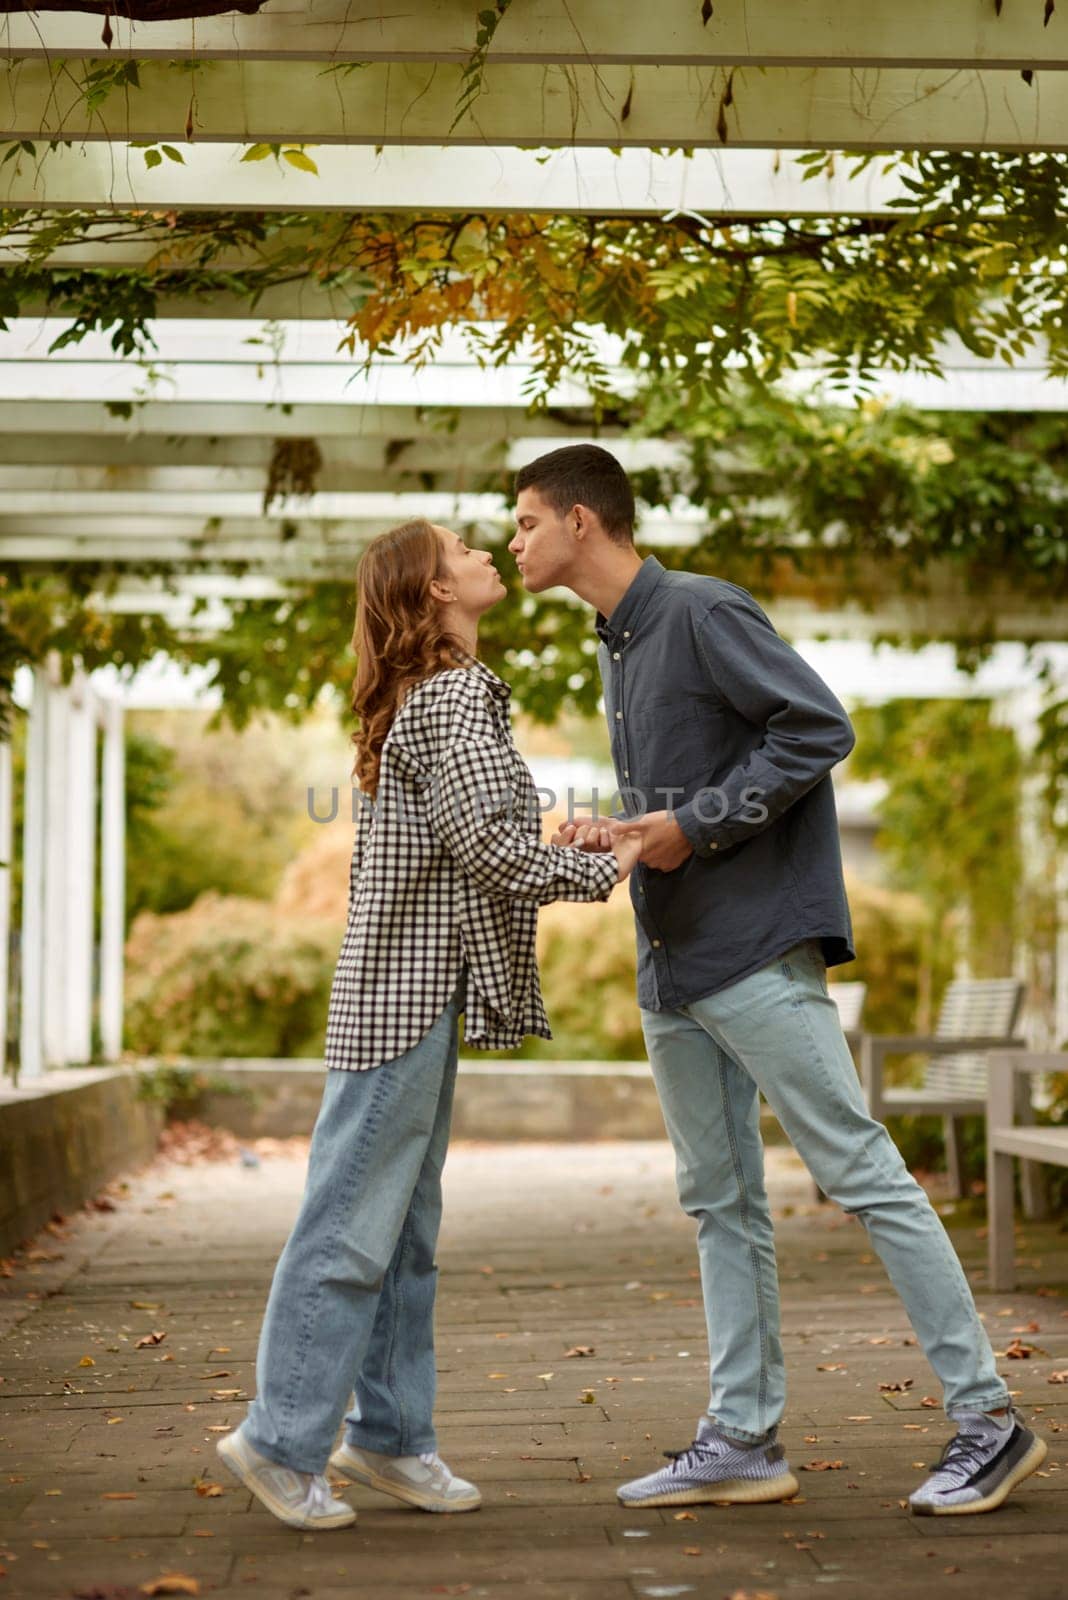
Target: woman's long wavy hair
x,y
399,638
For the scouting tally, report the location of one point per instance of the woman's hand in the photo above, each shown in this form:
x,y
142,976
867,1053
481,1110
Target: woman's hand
x,y
596,836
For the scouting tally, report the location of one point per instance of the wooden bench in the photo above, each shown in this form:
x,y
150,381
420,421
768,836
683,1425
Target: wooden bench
x,y
1010,1132
850,998
977,1015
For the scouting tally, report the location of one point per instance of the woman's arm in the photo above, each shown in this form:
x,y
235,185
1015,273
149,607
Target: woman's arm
x,y
471,797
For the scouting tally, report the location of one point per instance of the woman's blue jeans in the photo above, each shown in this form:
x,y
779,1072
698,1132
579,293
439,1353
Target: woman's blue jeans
x,y
777,1033
351,1305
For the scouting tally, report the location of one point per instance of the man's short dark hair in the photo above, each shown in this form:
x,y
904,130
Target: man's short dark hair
x,y
584,475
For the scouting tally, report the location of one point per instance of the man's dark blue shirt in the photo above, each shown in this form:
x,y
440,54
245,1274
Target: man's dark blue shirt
x,y
717,719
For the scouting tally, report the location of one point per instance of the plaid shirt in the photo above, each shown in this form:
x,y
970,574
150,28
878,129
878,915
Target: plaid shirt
x,y
448,870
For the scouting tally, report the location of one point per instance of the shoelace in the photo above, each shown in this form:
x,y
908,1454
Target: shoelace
x,y
319,1497
700,1447
962,1454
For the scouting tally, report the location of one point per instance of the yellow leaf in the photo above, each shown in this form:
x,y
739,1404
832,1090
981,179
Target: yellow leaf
x,y
257,152
298,159
172,1583
87,1361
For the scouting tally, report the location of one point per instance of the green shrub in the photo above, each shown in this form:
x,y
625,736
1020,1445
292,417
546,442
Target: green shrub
x,y
228,977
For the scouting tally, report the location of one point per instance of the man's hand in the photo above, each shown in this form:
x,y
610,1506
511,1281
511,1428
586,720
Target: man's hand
x,y
664,846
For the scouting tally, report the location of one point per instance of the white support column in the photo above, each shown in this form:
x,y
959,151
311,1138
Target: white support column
x,y
112,879
6,848
1019,710
31,1010
80,838
56,901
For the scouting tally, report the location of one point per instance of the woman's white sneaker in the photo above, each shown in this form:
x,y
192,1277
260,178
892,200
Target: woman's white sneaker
x,y
301,1499
424,1480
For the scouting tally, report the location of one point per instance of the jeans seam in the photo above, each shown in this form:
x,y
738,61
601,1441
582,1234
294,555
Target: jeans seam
x,y
758,1287
391,1367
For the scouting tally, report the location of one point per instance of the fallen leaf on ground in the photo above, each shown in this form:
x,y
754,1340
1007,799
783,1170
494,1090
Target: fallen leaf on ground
x,y
209,1491
119,1494
685,1516
691,1550
833,1366
157,1336
897,1386
821,1466
1027,1327
579,1350
859,1419
1016,1350
144,1305
1058,1377
87,1361
930,1402
224,1373
172,1583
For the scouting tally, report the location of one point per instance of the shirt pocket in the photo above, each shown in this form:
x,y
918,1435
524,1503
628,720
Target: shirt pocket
x,y
674,739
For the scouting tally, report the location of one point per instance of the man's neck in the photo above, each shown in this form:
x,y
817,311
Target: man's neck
x,y
604,583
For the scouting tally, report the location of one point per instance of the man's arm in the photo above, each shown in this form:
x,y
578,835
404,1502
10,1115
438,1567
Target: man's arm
x,y
806,731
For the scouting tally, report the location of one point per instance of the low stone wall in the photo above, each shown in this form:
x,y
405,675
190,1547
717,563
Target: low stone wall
x,y
494,1099
62,1137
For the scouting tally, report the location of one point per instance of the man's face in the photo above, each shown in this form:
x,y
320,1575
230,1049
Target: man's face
x,y
543,545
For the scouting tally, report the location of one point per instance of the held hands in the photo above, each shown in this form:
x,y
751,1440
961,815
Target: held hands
x,y
655,839
598,837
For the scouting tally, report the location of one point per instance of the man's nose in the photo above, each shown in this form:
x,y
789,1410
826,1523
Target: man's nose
x,y
514,544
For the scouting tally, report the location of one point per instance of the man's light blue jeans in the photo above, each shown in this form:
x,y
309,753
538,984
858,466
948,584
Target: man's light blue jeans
x,y
777,1032
351,1305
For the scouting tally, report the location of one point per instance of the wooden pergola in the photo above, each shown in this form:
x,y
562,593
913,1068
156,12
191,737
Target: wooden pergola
x,y
583,106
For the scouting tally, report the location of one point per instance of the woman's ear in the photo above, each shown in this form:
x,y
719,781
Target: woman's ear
x,y
439,591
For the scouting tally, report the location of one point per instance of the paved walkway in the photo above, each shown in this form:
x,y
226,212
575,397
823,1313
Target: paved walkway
x,y
110,1479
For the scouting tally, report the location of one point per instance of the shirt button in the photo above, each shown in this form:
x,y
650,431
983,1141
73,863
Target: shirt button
x,y
713,847
615,655
626,633
619,716
626,772
641,891
656,944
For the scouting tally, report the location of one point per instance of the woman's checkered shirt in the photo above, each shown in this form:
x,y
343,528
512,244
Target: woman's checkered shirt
x,y
448,867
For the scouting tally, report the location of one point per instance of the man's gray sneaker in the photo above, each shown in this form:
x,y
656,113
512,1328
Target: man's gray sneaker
x,y
715,1467
302,1499
424,1480
983,1462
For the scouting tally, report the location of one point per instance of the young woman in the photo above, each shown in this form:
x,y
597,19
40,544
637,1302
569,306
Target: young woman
x,y
448,871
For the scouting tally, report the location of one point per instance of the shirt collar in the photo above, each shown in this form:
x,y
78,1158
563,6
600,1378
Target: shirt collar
x,y
495,685
626,613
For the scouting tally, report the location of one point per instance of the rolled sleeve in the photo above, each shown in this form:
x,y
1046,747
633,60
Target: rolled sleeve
x,y
805,729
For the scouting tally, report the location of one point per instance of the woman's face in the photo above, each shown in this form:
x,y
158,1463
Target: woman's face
x,y
472,577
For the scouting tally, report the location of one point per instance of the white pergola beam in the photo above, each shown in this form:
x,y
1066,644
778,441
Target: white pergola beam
x,y
631,182
261,420
805,107
783,32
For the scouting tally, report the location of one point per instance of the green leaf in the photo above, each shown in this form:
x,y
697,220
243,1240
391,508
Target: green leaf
x,y
153,158
172,154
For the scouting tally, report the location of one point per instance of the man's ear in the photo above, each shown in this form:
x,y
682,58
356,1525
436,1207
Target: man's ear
x,y
581,522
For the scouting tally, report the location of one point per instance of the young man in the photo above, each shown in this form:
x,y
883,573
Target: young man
x,y
723,740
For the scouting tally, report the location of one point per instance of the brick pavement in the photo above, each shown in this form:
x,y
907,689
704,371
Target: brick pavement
x,y
545,1248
